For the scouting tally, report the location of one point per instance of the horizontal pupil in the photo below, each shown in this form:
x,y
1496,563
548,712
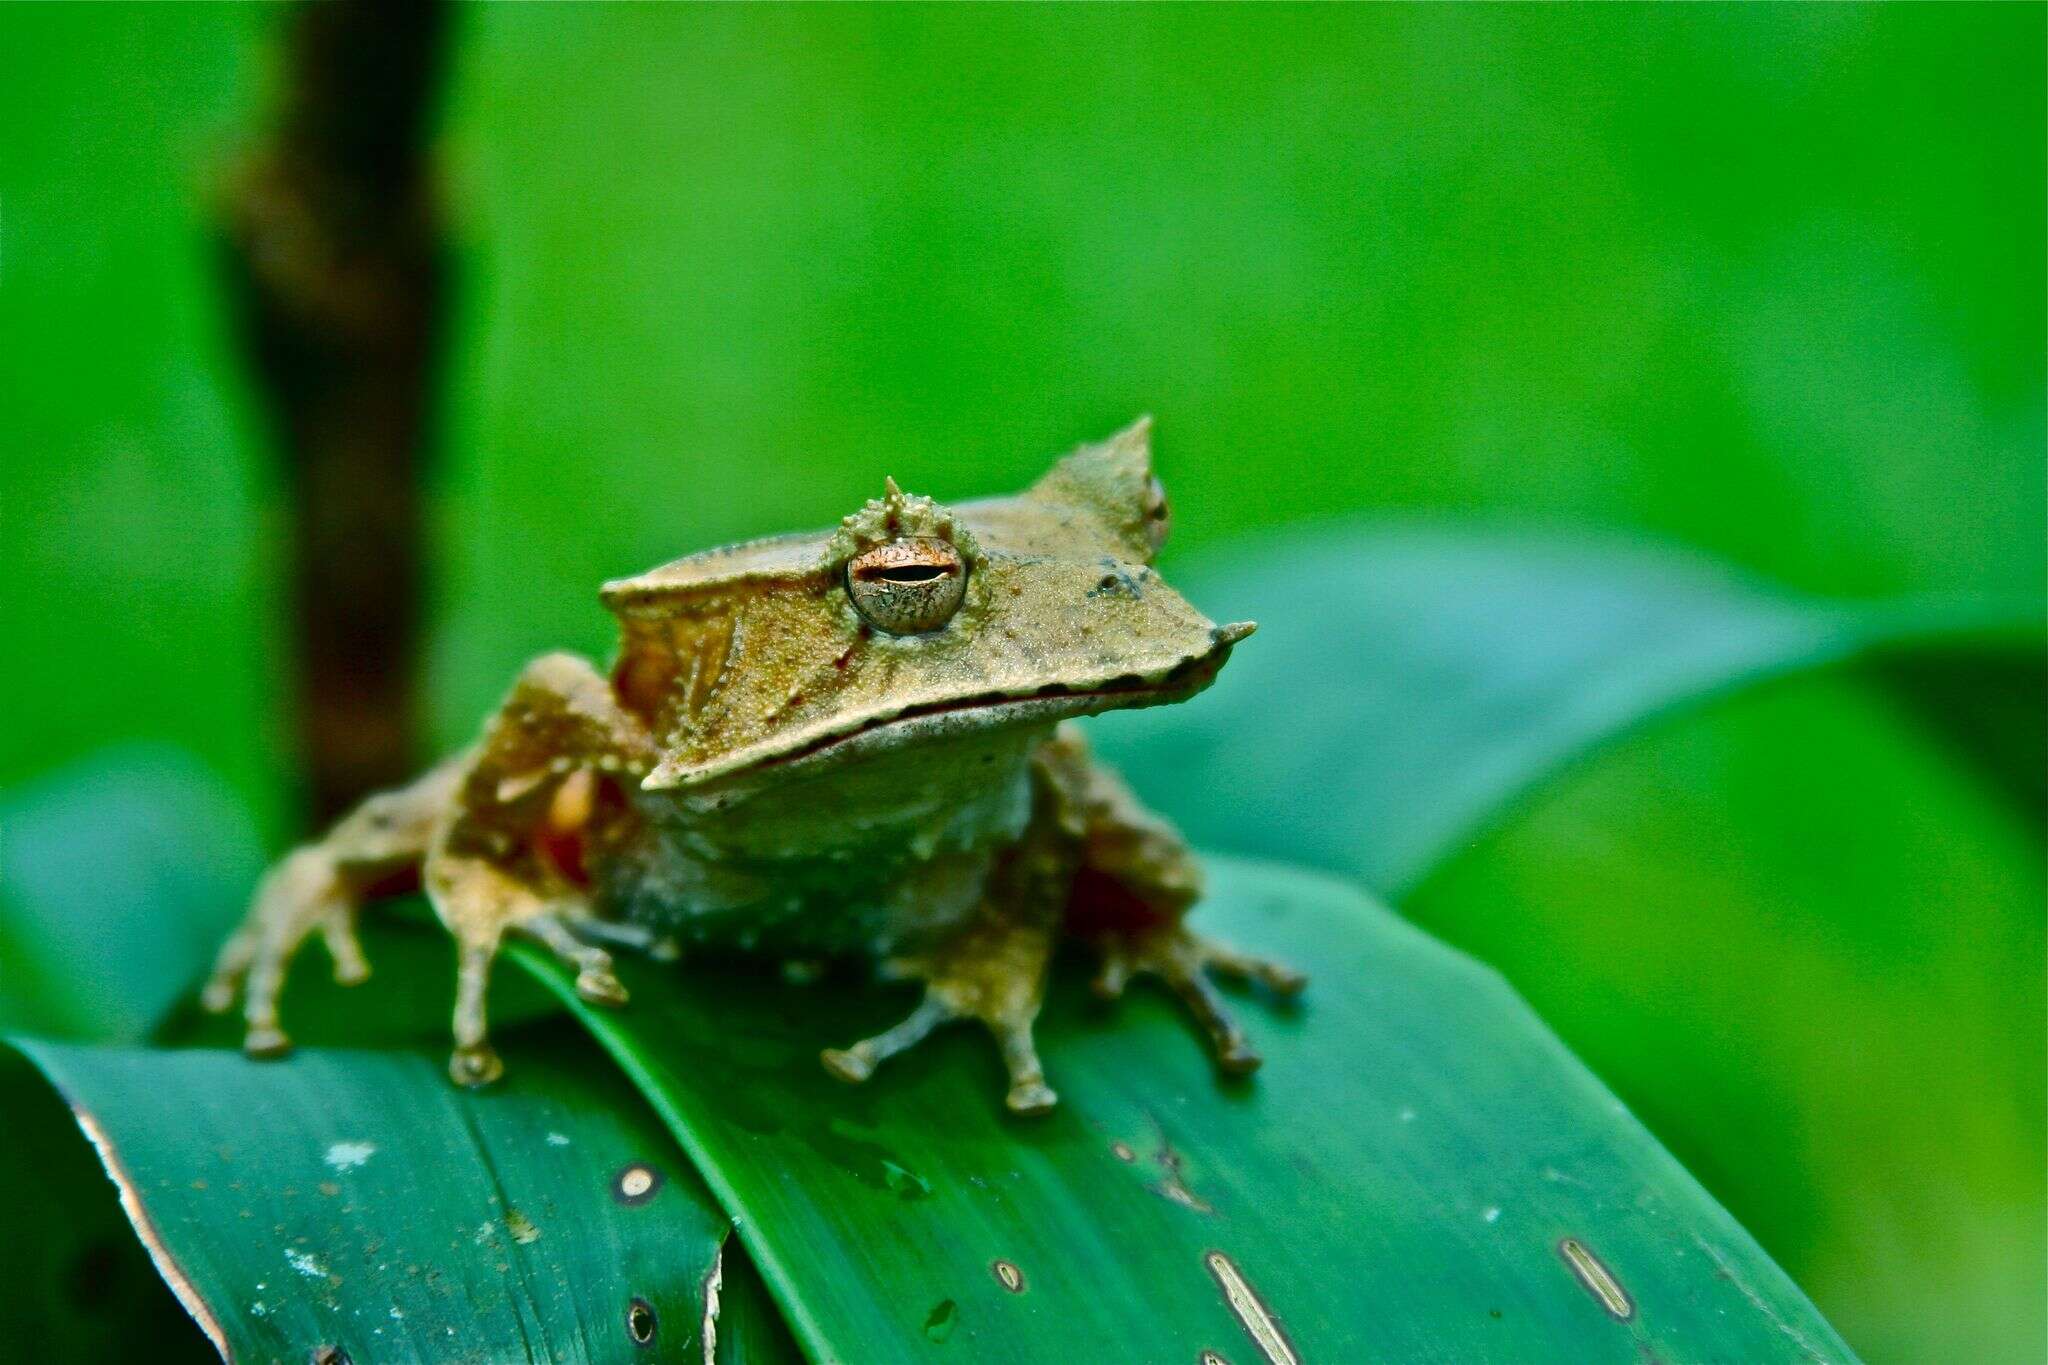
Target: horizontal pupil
x,y
909,573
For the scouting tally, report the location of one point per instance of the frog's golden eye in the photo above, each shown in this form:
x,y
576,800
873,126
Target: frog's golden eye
x,y
907,587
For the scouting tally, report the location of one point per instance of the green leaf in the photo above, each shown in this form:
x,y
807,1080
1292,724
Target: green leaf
x,y
1414,1174
1409,683
1806,947
79,1284
358,1201
118,877
1790,911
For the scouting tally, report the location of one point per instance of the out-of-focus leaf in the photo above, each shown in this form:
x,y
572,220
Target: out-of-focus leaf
x,y
358,1201
1419,1171
118,877
1799,930
78,1284
1807,949
1482,259
135,592
1408,683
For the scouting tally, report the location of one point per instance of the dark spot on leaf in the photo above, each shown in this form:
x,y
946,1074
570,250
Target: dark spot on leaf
x,y
640,1322
329,1355
938,1324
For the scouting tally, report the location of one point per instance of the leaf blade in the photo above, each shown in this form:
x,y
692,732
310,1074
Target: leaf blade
x,y
1353,1172
358,1201
1467,666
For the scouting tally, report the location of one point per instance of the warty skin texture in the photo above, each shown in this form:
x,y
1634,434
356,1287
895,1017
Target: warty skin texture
x,y
851,743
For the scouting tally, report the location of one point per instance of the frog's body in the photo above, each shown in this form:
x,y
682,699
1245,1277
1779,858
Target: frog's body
x,y
837,745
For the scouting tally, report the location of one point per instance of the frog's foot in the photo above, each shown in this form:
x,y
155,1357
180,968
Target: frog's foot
x,y
1182,958
992,971
638,938
559,935
302,894
1028,1092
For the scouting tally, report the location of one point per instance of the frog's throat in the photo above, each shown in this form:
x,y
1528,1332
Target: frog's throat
x,y
982,712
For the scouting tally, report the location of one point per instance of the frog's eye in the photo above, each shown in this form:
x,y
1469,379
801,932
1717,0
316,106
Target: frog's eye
x,y
909,586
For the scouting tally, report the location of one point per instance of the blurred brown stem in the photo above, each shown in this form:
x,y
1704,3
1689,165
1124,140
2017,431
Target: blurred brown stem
x,y
336,266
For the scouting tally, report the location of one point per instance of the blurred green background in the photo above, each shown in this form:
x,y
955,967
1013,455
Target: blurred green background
x,y
1764,282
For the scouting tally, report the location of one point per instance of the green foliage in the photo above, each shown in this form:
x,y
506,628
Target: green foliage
x,y
1762,281
1798,929
132,567
1410,1102
117,879
356,1200
1396,1183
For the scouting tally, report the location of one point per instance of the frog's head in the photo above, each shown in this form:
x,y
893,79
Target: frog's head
x,y
914,624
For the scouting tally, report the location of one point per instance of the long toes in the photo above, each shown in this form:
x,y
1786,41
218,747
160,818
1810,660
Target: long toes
x,y
1276,977
229,968
219,995
851,1064
1112,977
475,1065
598,986
265,1041
351,968
1234,1053
1030,1098
858,1062
1281,980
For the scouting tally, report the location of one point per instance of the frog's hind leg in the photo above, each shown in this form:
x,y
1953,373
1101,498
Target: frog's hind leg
x,y
1136,882
1182,959
319,887
992,972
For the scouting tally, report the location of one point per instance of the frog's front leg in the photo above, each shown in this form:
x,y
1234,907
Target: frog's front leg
x,y
500,838
319,887
1135,884
529,818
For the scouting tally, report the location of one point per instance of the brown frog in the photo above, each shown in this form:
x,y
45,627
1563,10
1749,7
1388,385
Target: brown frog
x,y
845,743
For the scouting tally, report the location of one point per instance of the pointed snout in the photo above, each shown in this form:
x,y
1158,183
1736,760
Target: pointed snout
x,y
1234,632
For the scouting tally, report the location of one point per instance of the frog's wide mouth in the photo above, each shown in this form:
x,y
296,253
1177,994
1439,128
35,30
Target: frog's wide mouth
x,y
984,712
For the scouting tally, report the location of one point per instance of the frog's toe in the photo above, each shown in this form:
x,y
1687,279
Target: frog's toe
x,y
600,987
848,1064
1183,960
1031,1098
230,966
1235,1055
1277,977
594,979
857,1063
338,932
264,1042
475,1065
218,995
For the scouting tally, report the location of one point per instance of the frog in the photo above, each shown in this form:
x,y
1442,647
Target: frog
x,y
857,744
